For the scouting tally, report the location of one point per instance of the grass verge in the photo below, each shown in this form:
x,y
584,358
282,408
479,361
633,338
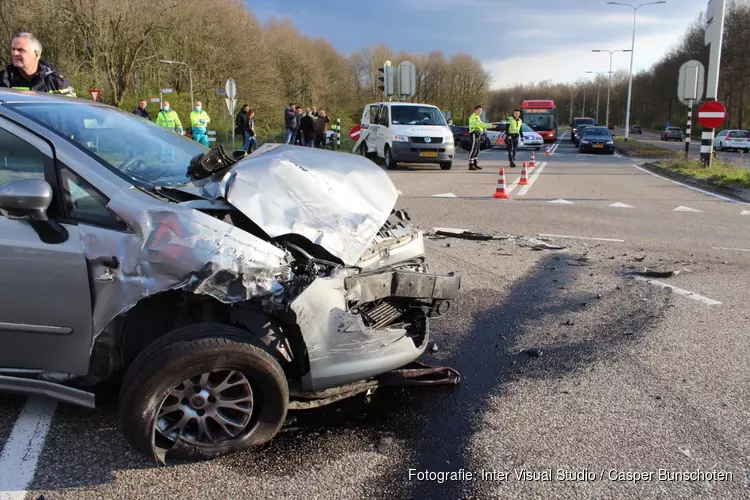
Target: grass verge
x,y
721,172
635,148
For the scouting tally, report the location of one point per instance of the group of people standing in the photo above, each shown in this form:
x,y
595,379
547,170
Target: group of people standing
x,y
169,119
307,128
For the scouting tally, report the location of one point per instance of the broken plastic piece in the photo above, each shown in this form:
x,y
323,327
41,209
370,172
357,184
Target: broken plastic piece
x,y
651,273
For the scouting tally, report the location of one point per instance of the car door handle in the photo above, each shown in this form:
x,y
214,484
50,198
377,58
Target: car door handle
x,y
110,262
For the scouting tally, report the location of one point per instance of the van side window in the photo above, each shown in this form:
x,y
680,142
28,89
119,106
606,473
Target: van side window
x,y
384,116
374,114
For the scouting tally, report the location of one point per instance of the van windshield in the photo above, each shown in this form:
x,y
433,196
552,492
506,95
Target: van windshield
x,y
416,115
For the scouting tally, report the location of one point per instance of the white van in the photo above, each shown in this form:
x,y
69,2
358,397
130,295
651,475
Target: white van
x,y
402,132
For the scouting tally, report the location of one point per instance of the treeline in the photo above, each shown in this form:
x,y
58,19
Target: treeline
x,y
115,46
654,93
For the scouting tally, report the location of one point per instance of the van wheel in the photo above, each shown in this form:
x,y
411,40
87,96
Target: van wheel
x,y
446,165
389,163
363,149
208,389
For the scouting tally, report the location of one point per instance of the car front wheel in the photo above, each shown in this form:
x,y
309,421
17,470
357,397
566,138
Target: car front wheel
x,y
389,163
202,391
446,165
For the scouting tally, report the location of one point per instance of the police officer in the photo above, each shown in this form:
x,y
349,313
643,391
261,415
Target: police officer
x,y
167,118
199,120
28,72
513,132
476,128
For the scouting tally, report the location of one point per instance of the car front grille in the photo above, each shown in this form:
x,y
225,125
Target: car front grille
x,y
433,150
421,140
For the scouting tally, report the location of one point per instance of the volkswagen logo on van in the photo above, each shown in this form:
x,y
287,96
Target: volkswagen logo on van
x,y
427,140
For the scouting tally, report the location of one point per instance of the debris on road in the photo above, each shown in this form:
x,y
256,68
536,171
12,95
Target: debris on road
x,y
569,322
463,234
653,273
384,444
537,244
534,352
434,347
686,452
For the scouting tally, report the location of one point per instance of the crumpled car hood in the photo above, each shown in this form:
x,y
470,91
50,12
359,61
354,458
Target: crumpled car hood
x,y
336,200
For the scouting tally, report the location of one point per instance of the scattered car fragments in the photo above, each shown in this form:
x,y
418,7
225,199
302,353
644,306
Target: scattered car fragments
x,y
220,289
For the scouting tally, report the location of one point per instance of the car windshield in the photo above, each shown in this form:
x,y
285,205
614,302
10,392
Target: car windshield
x,y
739,134
137,149
526,128
416,115
583,121
589,131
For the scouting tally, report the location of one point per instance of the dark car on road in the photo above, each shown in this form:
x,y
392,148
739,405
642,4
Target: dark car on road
x,y
576,124
595,140
672,133
636,129
461,137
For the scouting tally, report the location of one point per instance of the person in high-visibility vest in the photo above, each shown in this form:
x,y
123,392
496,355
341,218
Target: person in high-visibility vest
x,y
476,128
28,72
199,120
512,133
168,118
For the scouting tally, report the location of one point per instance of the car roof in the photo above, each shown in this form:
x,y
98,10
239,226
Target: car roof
x,y
18,96
413,104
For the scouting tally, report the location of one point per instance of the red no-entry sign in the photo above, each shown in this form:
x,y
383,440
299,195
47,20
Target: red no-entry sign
x,y
712,114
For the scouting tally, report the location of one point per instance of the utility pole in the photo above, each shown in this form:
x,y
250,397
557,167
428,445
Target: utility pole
x,y
609,85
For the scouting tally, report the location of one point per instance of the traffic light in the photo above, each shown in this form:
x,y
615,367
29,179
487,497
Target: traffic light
x,y
386,77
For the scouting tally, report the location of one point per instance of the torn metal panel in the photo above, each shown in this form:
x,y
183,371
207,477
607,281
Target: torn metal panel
x,y
340,347
399,283
175,247
335,200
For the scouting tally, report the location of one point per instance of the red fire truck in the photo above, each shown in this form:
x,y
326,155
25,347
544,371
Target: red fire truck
x,y
541,116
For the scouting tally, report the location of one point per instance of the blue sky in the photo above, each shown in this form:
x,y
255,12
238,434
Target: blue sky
x,y
516,40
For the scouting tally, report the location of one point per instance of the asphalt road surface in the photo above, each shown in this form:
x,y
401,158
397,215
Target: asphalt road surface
x,y
580,378
736,157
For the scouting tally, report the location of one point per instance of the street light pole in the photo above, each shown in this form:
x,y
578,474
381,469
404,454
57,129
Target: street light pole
x,y
190,78
632,50
609,85
598,88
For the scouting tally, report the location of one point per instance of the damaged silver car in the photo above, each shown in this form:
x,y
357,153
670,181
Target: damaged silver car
x,y
218,290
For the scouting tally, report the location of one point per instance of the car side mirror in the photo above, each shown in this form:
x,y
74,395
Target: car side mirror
x,y
26,199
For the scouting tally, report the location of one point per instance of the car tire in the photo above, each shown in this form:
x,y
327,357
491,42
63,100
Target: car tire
x,y
537,149
746,151
446,165
388,157
363,149
195,351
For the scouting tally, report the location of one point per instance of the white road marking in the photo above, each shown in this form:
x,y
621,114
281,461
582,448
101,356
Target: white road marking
x,y
21,452
399,191
679,291
732,249
532,179
620,205
444,195
709,193
511,186
560,201
745,212
686,209
580,237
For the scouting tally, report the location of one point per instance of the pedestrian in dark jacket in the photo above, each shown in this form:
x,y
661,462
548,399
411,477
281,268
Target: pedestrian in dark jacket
x,y
307,128
290,121
298,139
321,128
28,72
141,110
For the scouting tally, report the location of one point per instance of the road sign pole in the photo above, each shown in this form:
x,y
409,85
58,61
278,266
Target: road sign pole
x,y
714,36
688,128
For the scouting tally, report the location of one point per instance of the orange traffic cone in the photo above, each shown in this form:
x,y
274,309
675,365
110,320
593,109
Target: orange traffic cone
x,y
548,152
500,191
524,176
532,164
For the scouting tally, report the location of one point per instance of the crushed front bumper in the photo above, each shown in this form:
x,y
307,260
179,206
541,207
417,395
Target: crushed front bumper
x,y
357,326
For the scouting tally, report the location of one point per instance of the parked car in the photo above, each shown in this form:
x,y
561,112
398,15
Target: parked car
x,y
577,122
672,133
738,140
462,138
208,286
596,139
403,132
636,129
530,140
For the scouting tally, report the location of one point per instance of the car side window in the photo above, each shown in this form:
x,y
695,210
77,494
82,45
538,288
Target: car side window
x,y
83,203
19,159
374,115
